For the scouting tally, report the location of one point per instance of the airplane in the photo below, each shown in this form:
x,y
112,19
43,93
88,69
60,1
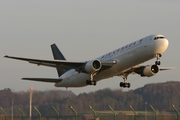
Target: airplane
x,y
119,62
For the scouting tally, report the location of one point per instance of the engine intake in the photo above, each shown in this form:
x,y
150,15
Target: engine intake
x,y
93,66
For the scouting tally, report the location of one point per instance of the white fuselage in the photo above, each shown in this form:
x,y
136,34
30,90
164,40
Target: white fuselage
x,y
126,57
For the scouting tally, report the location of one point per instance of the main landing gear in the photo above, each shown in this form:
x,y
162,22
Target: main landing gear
x,y
158,55
91,81
124,84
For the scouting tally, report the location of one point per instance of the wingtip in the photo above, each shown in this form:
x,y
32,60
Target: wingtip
x,y
6,56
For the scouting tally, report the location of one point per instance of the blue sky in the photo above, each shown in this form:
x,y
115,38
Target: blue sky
x,y
82,30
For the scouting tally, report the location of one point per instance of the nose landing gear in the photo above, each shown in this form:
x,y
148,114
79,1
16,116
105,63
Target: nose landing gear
x,y
158,55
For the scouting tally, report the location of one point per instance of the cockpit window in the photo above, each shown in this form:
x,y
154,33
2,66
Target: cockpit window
x,y
159,38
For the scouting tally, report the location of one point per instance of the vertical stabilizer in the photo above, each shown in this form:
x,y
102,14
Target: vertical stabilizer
x,y
58,56
57,53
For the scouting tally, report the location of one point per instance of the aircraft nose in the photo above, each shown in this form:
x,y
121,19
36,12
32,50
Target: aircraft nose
x,y
165,43
162,45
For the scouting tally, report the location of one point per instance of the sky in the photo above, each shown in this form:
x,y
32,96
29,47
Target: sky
x,y
83,30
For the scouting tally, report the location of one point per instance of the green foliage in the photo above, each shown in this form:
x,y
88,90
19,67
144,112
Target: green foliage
x,y
159,95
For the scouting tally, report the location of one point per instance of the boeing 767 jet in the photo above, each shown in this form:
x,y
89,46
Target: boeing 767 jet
x,y
119,62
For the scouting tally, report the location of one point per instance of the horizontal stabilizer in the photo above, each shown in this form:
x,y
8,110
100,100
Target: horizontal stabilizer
x,y
166,68
52,80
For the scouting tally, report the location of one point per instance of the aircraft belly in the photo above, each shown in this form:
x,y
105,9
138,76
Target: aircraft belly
x,y
76,80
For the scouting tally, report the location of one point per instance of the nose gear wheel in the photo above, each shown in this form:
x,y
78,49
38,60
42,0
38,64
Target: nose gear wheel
x,y
158,56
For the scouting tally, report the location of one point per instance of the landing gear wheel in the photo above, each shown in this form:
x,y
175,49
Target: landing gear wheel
x,y
128,85
121,84
93,83
158,63
89,82
124,85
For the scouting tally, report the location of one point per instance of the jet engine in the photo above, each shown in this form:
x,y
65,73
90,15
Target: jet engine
x,y
148,71
93,66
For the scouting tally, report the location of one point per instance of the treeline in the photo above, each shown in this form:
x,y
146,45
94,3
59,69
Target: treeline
x,y
160,95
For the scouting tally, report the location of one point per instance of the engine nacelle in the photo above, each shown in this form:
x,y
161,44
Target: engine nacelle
x,y
151,70
93,66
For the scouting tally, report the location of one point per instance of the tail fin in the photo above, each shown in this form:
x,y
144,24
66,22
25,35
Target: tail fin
x,y
58,56
57,53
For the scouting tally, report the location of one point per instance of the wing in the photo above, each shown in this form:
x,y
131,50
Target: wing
x,y
51,63
79,66
51,80
147,71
